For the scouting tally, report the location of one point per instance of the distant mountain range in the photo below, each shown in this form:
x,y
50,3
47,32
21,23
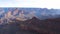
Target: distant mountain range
x,y
28,13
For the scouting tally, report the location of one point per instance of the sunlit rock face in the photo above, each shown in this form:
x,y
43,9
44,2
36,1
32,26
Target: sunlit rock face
x,y
23,14
16,14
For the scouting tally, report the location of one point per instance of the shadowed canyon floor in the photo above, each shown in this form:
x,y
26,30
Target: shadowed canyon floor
x,y
32,26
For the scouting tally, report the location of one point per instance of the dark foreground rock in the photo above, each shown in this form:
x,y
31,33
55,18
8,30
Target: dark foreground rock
x,y
32,26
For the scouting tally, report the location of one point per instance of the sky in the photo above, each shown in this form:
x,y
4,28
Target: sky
x,y
31,3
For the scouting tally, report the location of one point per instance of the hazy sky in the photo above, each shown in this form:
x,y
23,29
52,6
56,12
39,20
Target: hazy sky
x,y
31,3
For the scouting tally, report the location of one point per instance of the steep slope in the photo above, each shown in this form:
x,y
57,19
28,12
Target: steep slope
x,y
48,26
